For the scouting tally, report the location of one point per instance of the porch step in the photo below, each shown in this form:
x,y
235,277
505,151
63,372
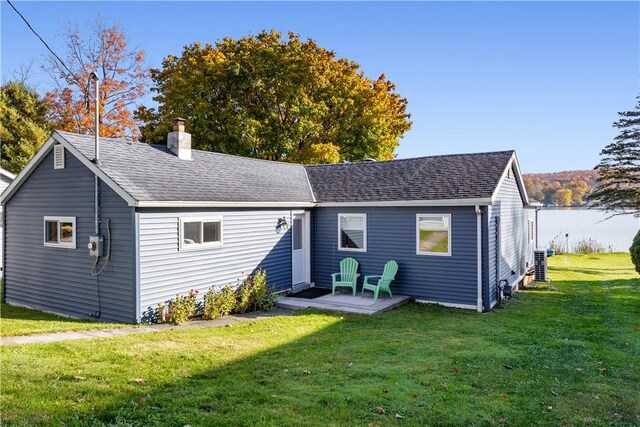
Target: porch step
x,y
344,304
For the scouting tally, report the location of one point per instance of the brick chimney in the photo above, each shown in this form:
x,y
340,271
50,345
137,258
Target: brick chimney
x,y
179,141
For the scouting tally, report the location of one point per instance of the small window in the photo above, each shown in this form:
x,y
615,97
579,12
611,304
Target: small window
x,y
58,157
200,232
433,234
60,232
297,234
352,232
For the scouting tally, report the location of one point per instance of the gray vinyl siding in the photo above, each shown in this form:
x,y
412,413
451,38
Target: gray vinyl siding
x,y
59,279
516,251
391,235
250,241
4,183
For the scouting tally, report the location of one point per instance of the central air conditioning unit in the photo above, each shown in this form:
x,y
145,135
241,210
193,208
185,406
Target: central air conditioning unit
x,y
540,261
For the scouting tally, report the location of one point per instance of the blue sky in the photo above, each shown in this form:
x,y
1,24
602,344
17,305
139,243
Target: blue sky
x,y
544,78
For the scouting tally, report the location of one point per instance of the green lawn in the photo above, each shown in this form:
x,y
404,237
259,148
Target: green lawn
x,y
23,321
565,357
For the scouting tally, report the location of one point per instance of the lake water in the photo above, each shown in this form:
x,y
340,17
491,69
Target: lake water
x,y
616,233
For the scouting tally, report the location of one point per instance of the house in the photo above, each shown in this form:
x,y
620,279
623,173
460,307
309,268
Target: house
x,y
113,236
6,178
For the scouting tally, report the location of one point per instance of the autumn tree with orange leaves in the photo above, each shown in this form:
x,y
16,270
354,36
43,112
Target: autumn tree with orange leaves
x,y
123,82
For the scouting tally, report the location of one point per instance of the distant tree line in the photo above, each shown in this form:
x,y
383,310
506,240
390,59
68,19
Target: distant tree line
x,y
569,188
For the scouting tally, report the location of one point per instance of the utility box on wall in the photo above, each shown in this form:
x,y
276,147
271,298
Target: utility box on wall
x,y
95,246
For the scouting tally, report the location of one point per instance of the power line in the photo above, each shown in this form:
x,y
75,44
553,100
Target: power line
x,y
44,42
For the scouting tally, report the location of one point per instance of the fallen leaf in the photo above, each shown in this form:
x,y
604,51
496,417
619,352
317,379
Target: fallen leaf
x,y
77,377
143,399
398,416
596,397
579,369
138,380
502,421
507,366
295,409
554,393
550,408
603,369
444,386
378,410
455,369
504,395
285,370
563,421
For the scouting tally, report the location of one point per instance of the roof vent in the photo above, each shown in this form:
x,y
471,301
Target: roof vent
x,y
369,159
58,157
179,141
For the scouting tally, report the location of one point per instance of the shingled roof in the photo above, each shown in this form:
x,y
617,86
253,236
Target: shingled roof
x,y
455,176
153,173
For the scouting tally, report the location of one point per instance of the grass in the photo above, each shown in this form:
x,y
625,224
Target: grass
x,y
16,321
565,357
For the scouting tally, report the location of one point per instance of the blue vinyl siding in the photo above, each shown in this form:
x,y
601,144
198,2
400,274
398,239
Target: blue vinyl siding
x,y
391,234
59,279
250,241
516,252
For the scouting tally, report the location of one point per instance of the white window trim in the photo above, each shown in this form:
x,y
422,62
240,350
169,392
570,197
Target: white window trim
x,y
59,219
197,246
418,251
364,218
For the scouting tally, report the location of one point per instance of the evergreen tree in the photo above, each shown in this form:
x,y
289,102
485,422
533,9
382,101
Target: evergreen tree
x,y
23,125
619,168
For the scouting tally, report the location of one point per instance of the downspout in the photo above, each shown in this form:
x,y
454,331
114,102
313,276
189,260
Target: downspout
x,y
479,255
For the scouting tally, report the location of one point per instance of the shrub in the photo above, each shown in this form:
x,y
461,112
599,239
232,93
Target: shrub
x,y
178,310
262,294
588,246
218,304
635,251
243,296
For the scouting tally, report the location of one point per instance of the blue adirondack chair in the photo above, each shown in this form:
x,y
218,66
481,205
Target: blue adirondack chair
x,y
384,281
348,276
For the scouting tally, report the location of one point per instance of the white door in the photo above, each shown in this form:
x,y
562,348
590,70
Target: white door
x,y
299,249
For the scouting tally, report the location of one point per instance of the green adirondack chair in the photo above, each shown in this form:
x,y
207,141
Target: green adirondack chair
x,y
384,281
348,276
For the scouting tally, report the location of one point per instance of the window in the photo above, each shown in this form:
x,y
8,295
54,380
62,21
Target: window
x,y
58,157
433,234
531,231
297,234
200,232
352,232
60,232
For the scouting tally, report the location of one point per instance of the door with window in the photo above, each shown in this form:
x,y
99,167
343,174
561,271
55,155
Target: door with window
x,y
299,248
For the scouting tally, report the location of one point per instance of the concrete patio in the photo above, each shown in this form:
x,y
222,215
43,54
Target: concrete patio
x,y
346,303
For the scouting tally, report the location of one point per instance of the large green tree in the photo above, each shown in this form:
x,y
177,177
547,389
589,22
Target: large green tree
x,y
23,125
619,168
276,98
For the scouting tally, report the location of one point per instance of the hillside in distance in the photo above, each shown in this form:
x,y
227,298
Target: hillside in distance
x,y
567,188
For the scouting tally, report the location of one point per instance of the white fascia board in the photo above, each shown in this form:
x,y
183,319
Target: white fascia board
x,y
7,174
96,170
213,204
482,201
28,170
513,162
42,153
306,175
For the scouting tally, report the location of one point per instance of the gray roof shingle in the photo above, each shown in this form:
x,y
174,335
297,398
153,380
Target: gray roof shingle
x,y
153,173
455,176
